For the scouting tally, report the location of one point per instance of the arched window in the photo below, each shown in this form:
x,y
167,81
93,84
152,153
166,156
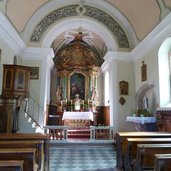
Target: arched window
x,y
106,89
164,61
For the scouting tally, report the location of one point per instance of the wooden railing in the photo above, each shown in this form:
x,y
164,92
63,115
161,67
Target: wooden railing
x,y
58,133
103,133
99,134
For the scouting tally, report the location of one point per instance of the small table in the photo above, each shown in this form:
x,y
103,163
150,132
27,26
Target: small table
x,y
143,123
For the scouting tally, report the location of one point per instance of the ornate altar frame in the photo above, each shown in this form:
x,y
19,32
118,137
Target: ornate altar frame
x,y
85,86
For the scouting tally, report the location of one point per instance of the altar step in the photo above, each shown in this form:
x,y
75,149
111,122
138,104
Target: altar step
x,y
79,133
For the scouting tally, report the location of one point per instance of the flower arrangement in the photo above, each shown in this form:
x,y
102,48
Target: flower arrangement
x,y
158,116
141,112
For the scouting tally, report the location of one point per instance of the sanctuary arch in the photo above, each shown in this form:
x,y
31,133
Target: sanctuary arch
x,y
77,67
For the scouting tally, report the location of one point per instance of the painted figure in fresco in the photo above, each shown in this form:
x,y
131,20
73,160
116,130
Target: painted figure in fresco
x,y
59,93
94,94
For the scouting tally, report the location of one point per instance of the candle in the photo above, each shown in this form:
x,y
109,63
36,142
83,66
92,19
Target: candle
x,y
71,101
61,102
66,100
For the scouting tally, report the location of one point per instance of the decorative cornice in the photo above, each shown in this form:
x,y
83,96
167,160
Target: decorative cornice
x,y
111,57
51,18
110,23
34,53
72,11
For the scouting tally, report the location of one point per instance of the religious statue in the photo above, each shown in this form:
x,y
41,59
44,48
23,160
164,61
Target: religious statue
x,y
59,93
145,101
94,94
77,102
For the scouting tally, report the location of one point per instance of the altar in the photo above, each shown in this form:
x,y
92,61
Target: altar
x,y
78,119
143,123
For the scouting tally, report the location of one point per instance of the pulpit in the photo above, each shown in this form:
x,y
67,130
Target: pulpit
x,y
143,123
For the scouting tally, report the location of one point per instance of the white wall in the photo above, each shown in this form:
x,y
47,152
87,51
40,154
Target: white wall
x,y
6,57
151,60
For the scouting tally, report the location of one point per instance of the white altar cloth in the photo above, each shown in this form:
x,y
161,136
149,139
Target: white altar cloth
x,y
141,120
78,115
142,123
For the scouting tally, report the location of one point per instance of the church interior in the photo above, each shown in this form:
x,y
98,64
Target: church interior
x,y
85,85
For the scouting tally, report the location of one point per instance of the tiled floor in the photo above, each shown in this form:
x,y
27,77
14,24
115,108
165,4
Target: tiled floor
x,y
82,158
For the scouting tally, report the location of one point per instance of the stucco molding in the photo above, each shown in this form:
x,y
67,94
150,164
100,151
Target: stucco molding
x,y
34,53
111,57
90,12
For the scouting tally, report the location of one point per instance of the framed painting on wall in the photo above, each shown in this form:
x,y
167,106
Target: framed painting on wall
x,y
34,73
123,85
143,72
77,85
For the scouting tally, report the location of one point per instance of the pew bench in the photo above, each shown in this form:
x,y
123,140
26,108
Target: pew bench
x,y
146,155
27,137
25,154
162,162
37,144
131,148
11,165
121,139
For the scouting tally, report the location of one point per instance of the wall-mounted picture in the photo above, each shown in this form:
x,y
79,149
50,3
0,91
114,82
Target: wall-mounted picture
x,y
34,73
77,85
123,85
0,56
143,72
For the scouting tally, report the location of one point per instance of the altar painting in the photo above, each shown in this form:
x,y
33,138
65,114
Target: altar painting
x,y
77,85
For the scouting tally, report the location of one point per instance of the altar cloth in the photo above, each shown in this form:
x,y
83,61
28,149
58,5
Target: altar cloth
x,y
78,115
140,120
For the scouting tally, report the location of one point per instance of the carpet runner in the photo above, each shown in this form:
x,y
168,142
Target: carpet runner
x,y
82,133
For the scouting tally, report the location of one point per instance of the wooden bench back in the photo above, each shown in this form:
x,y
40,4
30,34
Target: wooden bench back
x,y
146,153
37,144
11,165
121,140
25,154
30,136
162,162
131,147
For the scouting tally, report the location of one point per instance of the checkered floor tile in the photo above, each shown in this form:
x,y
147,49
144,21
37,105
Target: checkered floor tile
x,y
82,158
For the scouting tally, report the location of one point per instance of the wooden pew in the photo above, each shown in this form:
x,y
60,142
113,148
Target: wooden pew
x,y
25,154
30,136
11,165
121,139
131,148
162,162
146,155
37,144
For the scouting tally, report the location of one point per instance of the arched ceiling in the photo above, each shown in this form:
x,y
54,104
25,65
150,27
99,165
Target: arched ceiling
x,y
133,19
